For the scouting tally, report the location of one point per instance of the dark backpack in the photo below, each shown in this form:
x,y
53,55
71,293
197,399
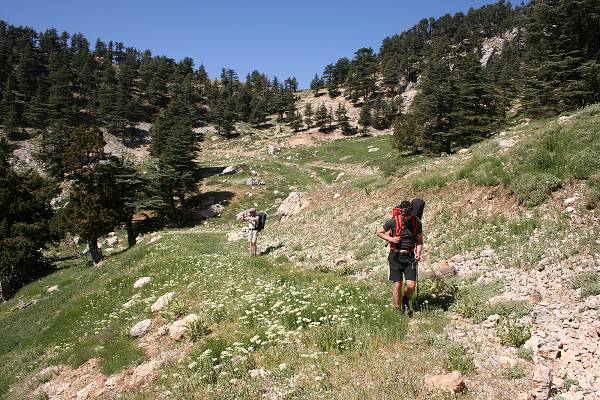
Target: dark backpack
x,y
262,220
418,206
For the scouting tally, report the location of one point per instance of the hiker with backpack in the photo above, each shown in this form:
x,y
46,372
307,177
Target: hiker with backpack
x,y
404,233
256,223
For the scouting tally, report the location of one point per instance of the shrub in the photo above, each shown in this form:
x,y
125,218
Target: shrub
x,y
197,329
594,191
584,163
588,282
484,171
532,188
525,353
459,360
511,333
514,372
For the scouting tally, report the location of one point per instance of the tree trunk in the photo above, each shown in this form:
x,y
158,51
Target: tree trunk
x,y
95,252
130,233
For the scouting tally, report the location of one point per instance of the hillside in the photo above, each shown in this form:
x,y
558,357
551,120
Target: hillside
x,y
513,215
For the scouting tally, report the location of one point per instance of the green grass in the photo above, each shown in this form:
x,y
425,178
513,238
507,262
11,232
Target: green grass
x,y
250,308
588,282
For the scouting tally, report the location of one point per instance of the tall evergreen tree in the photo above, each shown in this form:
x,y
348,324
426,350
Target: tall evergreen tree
x,y
90,211
24,225
308,115
365,119
321,116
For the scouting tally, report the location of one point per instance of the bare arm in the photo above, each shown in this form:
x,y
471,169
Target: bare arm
x,y
419,247
383,235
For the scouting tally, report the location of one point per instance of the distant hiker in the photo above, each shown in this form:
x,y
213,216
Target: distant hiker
x,y
404,233
256,223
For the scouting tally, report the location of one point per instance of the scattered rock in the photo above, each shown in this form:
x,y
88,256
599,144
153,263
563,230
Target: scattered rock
x,y
452,382
52,289
506,144
178,328
162,301
570,200
273,149
463,151
507,362
440,269
335,196
143,373
292,205
112,240
141,282
114,382
235,235
540,383
564,119
373,149
570,209
140,328
229,170
257,373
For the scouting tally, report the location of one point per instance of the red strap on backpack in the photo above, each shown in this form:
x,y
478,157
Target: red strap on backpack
x,y
396,214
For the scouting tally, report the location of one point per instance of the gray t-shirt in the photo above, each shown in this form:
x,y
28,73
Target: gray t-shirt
x,y
409,233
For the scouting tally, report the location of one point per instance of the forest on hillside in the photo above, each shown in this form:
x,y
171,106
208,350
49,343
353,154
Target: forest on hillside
x,y
57,89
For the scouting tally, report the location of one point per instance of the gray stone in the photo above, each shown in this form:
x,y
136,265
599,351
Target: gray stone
x,y
140,328
141,282
162,301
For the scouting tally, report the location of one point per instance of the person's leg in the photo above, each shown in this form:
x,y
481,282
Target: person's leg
x,y
397,294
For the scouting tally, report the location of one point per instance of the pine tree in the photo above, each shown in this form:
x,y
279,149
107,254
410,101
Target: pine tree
x,y
321,116
10,110
342,119
90,211
364,119
405,134
37,110
434,104
296,121
316,84
308,115
173,143
60,100
24,225
477,108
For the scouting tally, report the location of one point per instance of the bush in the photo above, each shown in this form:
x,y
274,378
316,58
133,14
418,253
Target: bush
x,y
459,360
484,171
585,163
514,372
594,191
532,188
588,282
511,333
197,329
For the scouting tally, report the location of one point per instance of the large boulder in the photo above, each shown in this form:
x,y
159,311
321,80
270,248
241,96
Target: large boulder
x,y
452,382
540,383
229,170
141,282
179,327
162,301
140,328
292,205
440,269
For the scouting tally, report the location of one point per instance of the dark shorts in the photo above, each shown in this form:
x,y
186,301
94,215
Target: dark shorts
x,y
402,265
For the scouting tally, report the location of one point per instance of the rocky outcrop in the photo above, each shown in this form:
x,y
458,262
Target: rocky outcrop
x,y
162,301
291,206
452,382
140,328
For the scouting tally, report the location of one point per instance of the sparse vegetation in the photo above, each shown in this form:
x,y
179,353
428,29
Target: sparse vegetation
x,y
588,282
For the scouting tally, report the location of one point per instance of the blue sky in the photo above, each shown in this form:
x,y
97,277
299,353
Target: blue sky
x,y
283,38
